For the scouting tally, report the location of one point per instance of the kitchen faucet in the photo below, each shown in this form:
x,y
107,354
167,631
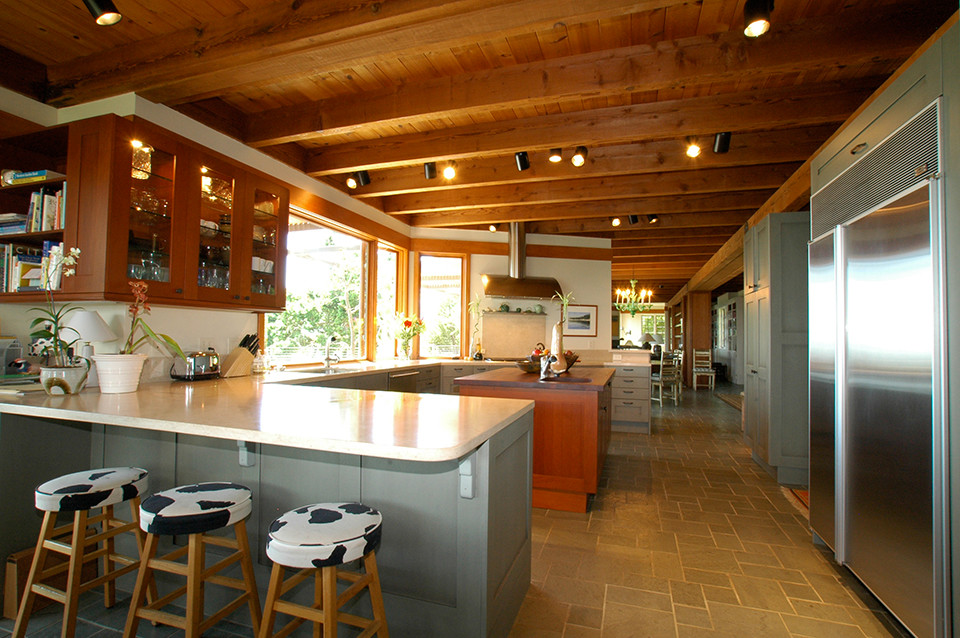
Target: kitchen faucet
x,y
328,358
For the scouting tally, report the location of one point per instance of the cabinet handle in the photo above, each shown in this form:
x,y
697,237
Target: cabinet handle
x,y
179,291
753,372
246,298
236,297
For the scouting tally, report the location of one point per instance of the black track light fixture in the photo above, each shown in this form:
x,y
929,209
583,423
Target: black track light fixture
x,y
756,17
579,156
556,155
430,170
359,178
721,142
652,219
103,11
633,219
523,162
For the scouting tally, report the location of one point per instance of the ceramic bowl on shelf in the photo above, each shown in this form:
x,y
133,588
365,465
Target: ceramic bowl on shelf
x,y
571,357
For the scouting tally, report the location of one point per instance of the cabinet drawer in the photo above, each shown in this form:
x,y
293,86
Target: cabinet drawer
x,y
429,373
631,411
630,383
430,386
633,371
636,394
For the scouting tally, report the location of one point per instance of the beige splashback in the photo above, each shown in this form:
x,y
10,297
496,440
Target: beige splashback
x,y
511,334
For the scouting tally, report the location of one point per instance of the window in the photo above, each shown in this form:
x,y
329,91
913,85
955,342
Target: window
x,y
388,278
441,303
326,274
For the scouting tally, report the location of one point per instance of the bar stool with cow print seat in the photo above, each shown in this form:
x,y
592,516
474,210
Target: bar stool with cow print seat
x,y
194,510
317,540
87,538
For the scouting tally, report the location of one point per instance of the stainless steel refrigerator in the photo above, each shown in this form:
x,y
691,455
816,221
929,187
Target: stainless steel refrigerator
x,y
876,418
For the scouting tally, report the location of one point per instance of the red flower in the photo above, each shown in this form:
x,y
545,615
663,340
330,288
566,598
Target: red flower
x,y
407,323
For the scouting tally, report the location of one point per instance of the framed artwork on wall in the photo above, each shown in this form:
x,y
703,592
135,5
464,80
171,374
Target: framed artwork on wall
x,y
581,321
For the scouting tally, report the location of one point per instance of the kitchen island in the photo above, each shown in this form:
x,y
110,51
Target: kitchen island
x,y
451,476
571,428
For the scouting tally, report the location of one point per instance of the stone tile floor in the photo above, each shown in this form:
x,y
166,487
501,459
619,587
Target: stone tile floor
x,y
689,538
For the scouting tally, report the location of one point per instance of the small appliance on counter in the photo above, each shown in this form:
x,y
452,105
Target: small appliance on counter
x,y
197,366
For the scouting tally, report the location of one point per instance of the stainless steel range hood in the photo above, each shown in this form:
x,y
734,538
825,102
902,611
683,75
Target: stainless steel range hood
x,y
517,285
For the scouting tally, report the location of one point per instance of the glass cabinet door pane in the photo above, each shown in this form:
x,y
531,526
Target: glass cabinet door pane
x,y
266,217
216,223
151,195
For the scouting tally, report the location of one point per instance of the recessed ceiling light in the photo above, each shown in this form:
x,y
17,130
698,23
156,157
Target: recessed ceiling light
x,y
756,17
579,156
450,171
556,155
615,221
693,149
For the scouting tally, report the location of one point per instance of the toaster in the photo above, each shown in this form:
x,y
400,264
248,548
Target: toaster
x,y
197,365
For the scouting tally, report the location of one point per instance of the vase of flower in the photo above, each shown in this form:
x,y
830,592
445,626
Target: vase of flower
x,y
121,372
64,380
61,372
407,329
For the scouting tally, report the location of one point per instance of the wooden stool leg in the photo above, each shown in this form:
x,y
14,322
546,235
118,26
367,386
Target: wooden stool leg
x,y
318,600
195,560
139,533
39,558
74,574
329,602
246,566
376,595
144,582
109,587
273,593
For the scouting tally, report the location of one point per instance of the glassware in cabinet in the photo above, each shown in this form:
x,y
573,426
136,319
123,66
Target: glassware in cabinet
x,y
218,187
150,237
269,211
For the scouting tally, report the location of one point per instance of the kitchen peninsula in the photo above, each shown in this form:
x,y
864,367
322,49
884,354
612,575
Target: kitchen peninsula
x,y
451,475
571,431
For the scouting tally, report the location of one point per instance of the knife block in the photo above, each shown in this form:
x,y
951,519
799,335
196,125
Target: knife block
x,y
237,363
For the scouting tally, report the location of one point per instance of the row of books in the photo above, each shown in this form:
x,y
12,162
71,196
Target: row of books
x,y
25,268
46,211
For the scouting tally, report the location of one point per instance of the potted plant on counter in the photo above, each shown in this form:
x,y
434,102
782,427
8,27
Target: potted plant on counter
x,y
61,372
121,372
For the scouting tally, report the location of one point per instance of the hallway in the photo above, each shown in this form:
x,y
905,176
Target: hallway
x,y
689,538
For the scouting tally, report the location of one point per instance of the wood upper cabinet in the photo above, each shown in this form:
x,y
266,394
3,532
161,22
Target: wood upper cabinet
x,y
199,228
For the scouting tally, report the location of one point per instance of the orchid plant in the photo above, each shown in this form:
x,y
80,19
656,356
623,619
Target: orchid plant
x,y
49,330
137,309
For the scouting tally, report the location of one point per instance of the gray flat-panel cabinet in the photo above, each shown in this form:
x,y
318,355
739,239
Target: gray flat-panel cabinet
x,y
371,381
775,345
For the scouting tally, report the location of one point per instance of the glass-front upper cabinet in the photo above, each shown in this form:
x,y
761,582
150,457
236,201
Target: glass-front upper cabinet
x,y
215,232
269,204
151,251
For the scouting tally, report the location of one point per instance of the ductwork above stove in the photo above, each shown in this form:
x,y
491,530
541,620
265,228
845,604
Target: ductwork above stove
x,y
517,285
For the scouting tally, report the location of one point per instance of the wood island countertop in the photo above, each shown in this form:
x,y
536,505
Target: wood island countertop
x,y
271,409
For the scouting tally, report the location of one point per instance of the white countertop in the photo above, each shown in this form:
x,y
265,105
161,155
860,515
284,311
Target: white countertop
x,y
267,409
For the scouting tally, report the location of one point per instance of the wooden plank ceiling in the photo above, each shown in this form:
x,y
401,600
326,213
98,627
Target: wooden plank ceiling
x,y
337,86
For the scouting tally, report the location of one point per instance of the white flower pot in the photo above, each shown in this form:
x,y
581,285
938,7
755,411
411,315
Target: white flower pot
x,y
119,372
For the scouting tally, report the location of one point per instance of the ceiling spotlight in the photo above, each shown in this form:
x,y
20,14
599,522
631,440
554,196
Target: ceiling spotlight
x,y
693,149
721,142
360,178
756,17
615,222
493,228
579,156
450,170
103,12
430,170
633,219
652,219
523,163
556,155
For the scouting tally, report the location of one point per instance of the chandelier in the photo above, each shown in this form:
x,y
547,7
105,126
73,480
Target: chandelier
x,y
633,300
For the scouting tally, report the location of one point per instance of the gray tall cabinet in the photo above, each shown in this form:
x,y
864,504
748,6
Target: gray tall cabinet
x,y
775,344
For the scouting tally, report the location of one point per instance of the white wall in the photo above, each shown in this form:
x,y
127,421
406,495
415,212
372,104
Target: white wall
x,y
193,329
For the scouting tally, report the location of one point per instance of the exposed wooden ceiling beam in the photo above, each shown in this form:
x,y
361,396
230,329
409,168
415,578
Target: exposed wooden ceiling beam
x,y
23,75
710,241
832,42
287,39
599,227
644,231
664,250
761,110
686,182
